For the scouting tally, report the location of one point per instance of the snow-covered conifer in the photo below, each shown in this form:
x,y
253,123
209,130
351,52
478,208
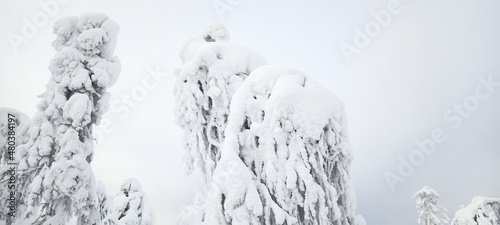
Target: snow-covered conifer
x,y
213,70
54,164
430,213
481,211
131,206
106,216
285,158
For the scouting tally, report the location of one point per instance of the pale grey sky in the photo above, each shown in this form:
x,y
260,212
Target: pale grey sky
x,y
401,87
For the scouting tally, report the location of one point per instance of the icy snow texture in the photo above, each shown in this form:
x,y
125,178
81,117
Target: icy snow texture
x,y
205,86
429,212
131,206
54,167
285,158
481,211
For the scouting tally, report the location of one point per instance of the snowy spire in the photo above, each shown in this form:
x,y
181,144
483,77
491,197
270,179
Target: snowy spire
x,y
429,212
285,158
55,167
213,70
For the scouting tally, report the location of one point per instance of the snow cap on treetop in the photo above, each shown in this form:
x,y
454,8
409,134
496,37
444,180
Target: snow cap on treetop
x,y
131,185
216,32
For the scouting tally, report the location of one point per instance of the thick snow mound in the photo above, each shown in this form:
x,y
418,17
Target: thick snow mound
x,y
293,95
131,185
216,32
481,211
285,158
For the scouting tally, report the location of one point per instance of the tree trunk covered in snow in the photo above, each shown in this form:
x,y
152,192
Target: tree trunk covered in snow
x,y
285,157
213,70
54,166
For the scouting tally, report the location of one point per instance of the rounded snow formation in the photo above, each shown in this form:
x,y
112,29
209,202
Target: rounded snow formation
x,y
131,185
481,211
216,32
285,158
289,93
91,37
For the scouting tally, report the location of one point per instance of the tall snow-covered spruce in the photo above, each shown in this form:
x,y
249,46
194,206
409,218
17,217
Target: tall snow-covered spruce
x,y
213,70
54,165
430,213
285,158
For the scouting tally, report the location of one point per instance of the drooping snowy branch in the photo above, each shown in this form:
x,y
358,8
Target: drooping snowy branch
x,y
481,211
54,166
429,212
213,70
285,158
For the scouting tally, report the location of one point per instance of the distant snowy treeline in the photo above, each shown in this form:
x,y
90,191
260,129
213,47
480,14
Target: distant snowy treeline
x,y
481,211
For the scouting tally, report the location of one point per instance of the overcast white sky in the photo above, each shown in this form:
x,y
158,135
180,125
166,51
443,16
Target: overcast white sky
x,y
397,89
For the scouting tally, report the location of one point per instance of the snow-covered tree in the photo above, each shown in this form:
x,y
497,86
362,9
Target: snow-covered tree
x,y
105,205
192,214
430,213
14,132
285,158
213,70
481,211
54,164
131,206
